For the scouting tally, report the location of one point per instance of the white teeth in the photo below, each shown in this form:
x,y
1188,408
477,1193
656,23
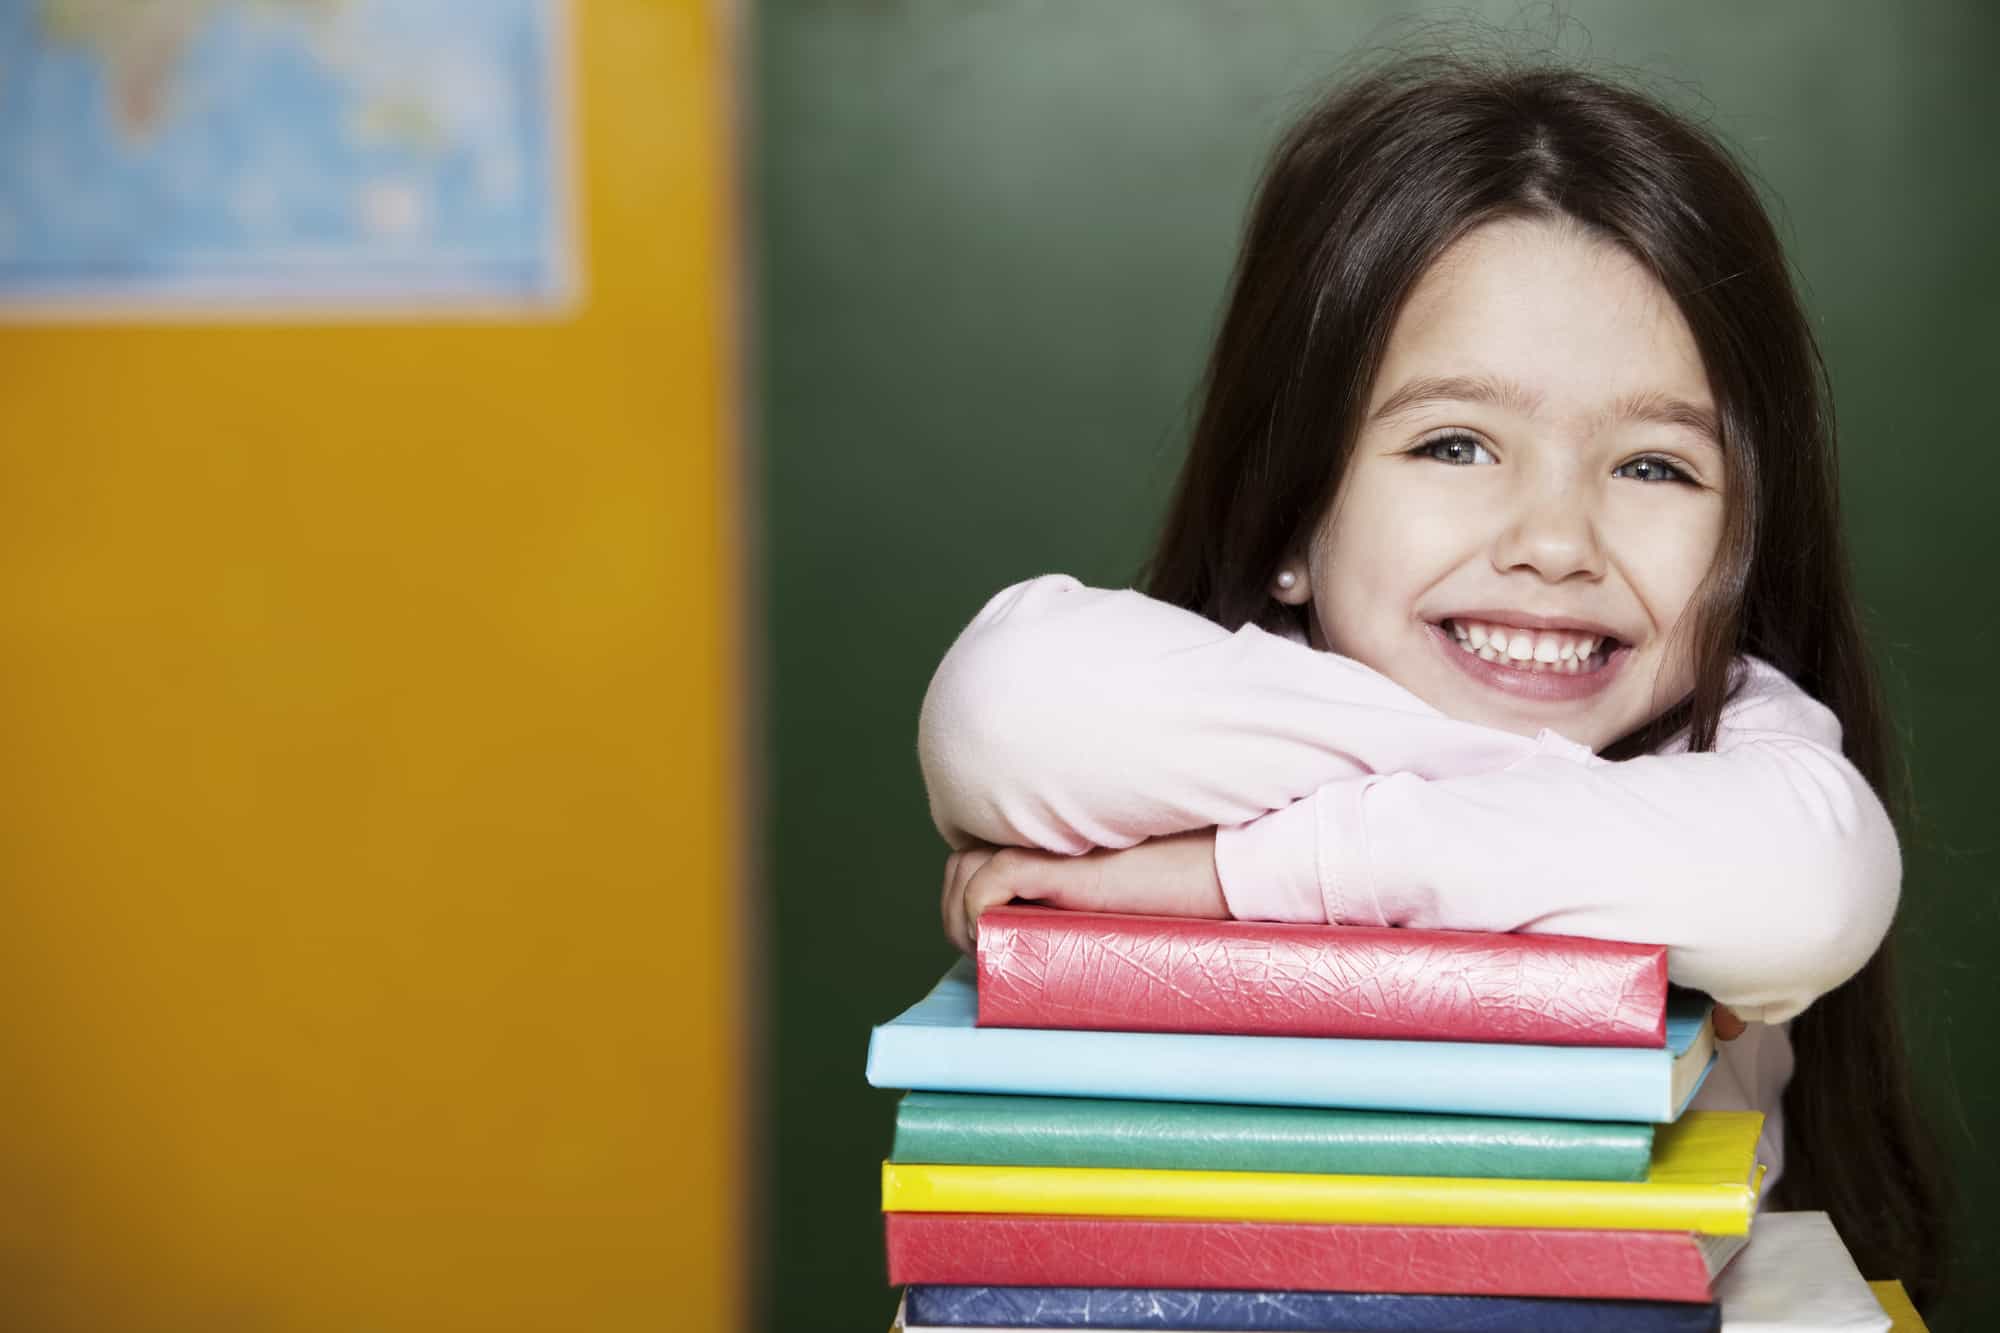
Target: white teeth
x,y
1527,650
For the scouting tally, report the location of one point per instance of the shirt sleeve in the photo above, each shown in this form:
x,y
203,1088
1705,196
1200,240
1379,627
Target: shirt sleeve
x,y
1066,717
1769,868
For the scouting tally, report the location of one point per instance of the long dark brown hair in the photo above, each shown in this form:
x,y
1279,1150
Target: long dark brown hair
x,y
1359,199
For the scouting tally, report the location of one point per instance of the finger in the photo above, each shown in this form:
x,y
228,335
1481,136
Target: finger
x,y
1728,1027
949,902
983,889
959,869
997,882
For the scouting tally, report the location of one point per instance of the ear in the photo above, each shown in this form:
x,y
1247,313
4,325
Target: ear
x,y
1292,583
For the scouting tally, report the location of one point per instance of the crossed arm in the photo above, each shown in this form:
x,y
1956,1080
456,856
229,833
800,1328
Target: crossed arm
x,y
1123,754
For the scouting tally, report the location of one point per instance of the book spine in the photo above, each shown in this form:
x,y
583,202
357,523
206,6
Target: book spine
x,y
1026,1250
1183,1136
1715,1210
1257,1311
1040,968
1459,1078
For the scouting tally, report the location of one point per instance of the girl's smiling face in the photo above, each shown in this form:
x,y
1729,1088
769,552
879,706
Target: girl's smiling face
x,y
1537,476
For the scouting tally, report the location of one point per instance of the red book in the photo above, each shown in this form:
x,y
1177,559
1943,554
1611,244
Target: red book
x,y
1027,1250
1043,968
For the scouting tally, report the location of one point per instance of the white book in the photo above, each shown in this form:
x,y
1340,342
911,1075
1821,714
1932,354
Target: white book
x,y
1795,1276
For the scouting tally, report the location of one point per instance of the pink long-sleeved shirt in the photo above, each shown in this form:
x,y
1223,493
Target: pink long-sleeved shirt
x,y
1068,717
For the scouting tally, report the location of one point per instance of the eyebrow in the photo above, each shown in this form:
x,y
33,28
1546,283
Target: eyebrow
x,y
1646,405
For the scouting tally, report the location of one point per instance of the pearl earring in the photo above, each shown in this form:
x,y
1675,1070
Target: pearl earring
x,y
1287,580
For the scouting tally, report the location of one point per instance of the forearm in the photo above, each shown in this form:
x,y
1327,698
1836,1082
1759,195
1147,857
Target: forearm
x,y
1068,718
1771,873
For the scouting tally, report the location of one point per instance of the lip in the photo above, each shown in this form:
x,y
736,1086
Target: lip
x,y
1533,686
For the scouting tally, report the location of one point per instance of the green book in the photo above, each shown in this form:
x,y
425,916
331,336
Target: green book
x,y
971,1130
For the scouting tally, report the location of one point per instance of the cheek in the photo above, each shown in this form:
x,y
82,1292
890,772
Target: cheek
x,y
1678,553
1371,561
1343,577
1669,561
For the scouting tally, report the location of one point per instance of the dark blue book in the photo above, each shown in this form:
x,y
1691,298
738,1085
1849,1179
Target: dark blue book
x,y
1293,1311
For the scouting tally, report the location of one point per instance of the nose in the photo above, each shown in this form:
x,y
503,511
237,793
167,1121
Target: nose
x,y
1553,534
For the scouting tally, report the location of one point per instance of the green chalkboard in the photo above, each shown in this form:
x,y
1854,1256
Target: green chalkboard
x,y
990,244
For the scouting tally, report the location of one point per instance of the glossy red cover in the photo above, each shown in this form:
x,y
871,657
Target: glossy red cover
x,y
1043,968
1024,1250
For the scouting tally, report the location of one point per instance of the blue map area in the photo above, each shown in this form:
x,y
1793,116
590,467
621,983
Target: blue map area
x,y
397,152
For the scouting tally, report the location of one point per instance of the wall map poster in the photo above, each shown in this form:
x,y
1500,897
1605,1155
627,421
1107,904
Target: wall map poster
x,y
283,156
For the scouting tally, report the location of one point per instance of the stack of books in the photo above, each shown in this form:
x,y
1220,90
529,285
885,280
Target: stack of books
x,y
1145,1122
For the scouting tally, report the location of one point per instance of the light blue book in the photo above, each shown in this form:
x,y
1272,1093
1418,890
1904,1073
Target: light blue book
x,y
937,1046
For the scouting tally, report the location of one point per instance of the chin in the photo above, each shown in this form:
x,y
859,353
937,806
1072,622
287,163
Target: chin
x,y
1579,725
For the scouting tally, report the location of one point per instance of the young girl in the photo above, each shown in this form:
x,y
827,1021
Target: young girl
x,y
1503,589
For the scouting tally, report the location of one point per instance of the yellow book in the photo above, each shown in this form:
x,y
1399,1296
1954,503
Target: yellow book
x,y
1704,1177
1896,1304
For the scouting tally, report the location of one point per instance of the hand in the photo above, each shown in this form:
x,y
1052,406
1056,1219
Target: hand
x,y
1170,876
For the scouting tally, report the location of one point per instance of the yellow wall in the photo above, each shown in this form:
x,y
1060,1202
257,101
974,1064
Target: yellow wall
x,y
365,771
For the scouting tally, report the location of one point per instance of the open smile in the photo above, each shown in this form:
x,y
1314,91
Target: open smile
x,y
1544,666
